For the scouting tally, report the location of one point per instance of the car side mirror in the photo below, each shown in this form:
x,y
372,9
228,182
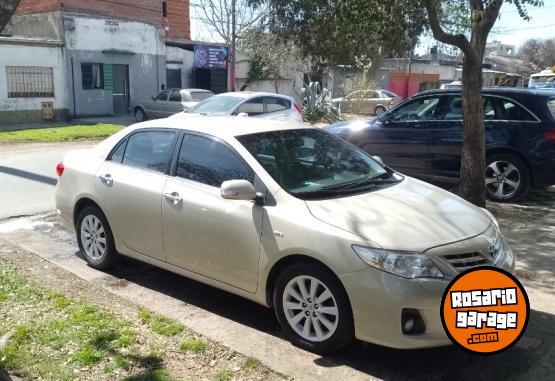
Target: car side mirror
x,y
378,159
238,190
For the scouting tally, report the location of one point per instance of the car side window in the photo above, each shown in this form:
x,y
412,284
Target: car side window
x,y
276,104
252,107
163,96
453,110
175,96
513,112
149,150
418,110
210,162
117,154
490,109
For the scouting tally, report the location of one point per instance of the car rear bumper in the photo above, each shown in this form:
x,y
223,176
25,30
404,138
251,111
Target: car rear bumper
x,y
543,174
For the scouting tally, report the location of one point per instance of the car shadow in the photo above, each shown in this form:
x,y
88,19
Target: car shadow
x,y
444,363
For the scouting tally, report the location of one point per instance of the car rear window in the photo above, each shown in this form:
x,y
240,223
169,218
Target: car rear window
x,y
551,106
200,96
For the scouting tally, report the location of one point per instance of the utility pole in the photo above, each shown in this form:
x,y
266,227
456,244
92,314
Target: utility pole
x,y
233,45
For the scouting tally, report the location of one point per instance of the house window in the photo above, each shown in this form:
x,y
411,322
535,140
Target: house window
x,y
30,82
92,75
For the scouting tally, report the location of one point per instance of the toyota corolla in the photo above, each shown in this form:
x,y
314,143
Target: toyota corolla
x,y
289,216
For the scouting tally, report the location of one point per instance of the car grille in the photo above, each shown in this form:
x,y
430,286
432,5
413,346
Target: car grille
x,y
464,261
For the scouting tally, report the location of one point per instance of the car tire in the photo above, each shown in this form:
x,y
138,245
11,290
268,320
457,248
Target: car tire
x,y
95,238
140,115
379,110
507,171
335,326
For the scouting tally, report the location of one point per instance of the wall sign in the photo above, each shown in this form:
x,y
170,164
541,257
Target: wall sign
x,y
210,56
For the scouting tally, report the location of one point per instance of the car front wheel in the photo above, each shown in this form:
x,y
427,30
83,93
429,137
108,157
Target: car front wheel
x,y
140,115
507,178
313,308
95,238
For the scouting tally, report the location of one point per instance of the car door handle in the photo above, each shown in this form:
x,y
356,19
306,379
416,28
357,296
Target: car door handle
x,y
106,179
174,197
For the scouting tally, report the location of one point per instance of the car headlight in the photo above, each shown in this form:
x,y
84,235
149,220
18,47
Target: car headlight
x,y
401,263
491,216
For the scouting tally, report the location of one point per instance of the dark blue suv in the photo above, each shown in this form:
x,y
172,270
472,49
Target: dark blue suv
x,y
422,137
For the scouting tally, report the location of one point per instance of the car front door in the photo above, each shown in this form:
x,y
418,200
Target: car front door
x,y
157,107
203,232
129,187
400,138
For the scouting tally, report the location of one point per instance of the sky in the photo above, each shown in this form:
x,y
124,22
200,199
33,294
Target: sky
x,y
509,29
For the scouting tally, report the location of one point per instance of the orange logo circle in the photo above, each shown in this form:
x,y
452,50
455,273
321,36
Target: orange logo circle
x,y
485,310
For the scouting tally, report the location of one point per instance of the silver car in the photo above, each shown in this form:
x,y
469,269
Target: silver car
x,y
371,102
286,215
247,103
168,102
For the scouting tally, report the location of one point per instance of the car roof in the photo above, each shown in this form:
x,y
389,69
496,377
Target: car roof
x,y
252,94
494,90
222,126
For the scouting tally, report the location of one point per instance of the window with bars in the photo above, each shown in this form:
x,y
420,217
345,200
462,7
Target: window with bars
x,y
92,76
30,82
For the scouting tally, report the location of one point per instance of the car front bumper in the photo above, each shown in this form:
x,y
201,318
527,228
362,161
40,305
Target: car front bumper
x,y
378,298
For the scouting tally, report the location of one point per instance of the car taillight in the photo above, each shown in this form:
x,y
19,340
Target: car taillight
x,y
549,135
60,168
390,103
299,108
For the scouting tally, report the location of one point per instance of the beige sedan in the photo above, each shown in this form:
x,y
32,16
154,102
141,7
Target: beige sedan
x,y
286,215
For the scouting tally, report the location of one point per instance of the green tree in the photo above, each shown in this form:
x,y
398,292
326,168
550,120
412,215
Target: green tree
x,y
363,31
537,54
7,9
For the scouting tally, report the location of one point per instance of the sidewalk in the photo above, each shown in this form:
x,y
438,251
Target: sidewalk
x,y
125,120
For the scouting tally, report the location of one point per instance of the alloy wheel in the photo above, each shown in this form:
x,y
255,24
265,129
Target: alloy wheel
x,y
310,308
503,179
93,237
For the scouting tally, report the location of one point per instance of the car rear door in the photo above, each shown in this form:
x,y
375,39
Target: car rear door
x,y
400,138
203,232
129,187
277,108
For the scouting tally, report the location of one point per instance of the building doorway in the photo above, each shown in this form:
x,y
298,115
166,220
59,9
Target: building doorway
x,y
120,92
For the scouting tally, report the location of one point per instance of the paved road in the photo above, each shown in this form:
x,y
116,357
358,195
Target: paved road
x,y
28,176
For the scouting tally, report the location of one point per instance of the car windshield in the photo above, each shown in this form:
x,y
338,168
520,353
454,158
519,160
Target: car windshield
x,y
217,105
309,163
200,96
389,93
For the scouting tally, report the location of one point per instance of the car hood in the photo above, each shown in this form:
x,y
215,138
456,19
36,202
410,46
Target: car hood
x,y
409,216
346,127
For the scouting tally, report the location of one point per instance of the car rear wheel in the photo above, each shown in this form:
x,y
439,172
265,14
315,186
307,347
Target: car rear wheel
x,y
380,110
313,309
140,115
95,238
507,178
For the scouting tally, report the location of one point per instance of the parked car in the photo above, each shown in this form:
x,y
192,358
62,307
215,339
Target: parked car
x,y
372,102
168,102
247,103
286,215
422,137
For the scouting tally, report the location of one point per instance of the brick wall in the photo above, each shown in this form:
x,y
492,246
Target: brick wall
x,y
142,10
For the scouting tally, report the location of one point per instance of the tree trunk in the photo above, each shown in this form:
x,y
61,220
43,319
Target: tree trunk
x,y
472,184
7,9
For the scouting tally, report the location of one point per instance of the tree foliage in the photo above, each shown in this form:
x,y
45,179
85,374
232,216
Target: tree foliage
x,y
347,32
537,54
7,9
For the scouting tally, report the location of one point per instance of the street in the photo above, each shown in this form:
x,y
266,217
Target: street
x,y
28,176
253,330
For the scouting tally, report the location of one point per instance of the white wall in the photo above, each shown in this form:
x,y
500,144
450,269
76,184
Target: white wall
x,y
25,55
84,33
